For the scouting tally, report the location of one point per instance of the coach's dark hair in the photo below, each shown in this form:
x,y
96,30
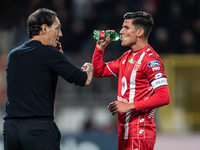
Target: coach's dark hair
x,y
37,19
141,20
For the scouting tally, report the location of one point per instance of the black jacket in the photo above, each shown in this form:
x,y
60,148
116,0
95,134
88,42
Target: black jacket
x,y
32,73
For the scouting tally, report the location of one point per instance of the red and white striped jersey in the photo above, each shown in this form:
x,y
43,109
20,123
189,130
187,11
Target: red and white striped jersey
x,y
140,73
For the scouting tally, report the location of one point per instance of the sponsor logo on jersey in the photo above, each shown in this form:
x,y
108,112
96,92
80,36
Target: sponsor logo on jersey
x,y
150,88
151,115
158,75
149,52
122,99
131,61
123,61
141,131
141,120
153,63
155,69
137,65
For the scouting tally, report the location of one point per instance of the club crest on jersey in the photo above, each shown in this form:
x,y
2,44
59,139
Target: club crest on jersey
x,y
153,63
131,61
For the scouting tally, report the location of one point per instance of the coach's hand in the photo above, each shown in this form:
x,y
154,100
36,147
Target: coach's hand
x,y
59,47
88,68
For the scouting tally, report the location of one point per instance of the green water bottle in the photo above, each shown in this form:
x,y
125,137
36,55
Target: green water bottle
x,y
101,35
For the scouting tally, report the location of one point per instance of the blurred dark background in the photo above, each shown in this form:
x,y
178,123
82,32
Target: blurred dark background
x,y
176,30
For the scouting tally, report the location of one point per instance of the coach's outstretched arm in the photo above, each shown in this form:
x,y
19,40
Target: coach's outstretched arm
x,y
88,68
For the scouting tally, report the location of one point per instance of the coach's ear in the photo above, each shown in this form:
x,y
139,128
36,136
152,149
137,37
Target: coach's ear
x,y
140,32
44,29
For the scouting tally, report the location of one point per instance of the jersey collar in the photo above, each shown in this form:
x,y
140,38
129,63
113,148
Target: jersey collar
x,y
141,50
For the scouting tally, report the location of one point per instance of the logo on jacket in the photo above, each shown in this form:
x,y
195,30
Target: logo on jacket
x,y
153,63
131,61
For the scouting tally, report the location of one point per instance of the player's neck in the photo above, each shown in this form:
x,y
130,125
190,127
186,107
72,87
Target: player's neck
x,y
139,45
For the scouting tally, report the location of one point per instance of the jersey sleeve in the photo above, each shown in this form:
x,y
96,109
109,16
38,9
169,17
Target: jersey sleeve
x,y
154,71
101,68
60,65
160,98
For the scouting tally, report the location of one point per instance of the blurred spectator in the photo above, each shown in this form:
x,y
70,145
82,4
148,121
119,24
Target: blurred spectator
x,y
196,27
81,17
61,9
21,33
161,38
151,6
175,24
188,40
76,34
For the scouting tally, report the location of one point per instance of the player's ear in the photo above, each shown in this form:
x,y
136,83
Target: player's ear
x,y
140,32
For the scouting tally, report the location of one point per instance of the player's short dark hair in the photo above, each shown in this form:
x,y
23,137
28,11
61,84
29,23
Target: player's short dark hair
x,y
141,20
37,19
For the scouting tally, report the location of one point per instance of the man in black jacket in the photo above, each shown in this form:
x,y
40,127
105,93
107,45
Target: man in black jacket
x,y
32,73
